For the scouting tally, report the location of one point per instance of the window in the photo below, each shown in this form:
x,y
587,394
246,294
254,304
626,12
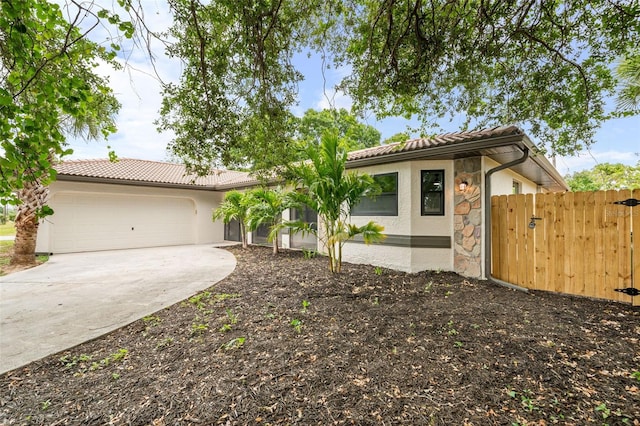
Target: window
x,y
432,191
516,187
306,215
385,204
232,231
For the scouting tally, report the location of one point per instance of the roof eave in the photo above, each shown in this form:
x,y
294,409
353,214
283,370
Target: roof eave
x,y
448,151
465,149
114,181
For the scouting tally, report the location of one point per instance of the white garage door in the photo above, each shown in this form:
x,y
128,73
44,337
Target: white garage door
x,y
88,222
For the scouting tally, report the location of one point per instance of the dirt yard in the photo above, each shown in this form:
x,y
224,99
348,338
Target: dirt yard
x,y
282,341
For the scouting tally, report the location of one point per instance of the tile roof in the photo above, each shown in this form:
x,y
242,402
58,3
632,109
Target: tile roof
x,y
434,141
132,170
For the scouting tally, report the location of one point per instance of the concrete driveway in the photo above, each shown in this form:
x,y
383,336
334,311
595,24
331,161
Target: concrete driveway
x,y
74,298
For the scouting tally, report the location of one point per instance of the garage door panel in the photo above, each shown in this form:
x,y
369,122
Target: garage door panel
x,y
86,222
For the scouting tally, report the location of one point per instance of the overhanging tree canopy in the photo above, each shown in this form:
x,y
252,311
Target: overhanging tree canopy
x,y
544,65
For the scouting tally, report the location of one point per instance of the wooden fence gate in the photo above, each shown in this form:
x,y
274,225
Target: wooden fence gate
x,y
574,242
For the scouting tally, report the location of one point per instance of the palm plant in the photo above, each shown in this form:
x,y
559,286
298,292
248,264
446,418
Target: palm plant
x,y
266,208
235,206
628,72
325,186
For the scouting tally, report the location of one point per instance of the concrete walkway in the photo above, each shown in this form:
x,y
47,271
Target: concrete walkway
x,y
74,298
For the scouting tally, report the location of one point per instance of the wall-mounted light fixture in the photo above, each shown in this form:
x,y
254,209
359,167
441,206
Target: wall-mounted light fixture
x,y
463,186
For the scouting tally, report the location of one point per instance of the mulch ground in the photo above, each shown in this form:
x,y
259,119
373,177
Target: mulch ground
x,y
283,341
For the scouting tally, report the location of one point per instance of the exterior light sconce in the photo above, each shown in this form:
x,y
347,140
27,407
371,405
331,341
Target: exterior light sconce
x,y
532,224
463,186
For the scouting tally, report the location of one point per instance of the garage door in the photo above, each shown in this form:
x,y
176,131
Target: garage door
x,y
88,222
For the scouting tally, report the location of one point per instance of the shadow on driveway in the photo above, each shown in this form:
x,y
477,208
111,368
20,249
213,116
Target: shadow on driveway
x,y
77,297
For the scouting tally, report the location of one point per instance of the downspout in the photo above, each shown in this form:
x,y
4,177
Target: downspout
x,y
487,219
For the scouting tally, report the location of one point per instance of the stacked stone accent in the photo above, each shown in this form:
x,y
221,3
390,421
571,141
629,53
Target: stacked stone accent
x,y
467,219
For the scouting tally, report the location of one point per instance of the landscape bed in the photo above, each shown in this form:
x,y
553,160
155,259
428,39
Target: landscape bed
x,y
284,341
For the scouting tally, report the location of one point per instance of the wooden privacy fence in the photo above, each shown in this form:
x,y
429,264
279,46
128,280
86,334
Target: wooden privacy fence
x,y
581,244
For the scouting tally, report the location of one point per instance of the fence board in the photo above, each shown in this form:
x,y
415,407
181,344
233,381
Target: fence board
x,y
579,237
635,228
582,245
589,269
529,238
520,222
568,220
512,240
599,242
611,246
496,236
624,244
541,254
549,242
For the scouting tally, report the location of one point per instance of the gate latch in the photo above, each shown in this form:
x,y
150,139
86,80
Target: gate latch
x,y
629,202
629,290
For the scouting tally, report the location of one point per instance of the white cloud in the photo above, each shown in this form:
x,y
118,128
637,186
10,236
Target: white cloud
x,y
331,98
588,159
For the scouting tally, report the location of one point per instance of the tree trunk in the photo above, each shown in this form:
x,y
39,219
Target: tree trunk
x,y
32,196
243,236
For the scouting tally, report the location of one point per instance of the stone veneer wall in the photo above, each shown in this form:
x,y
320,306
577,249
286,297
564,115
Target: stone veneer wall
x,y
467,218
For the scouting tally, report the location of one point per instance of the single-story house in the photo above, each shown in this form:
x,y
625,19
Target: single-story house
x,y
433,205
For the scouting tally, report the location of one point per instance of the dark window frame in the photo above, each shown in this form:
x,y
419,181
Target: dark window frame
x,y
370,202
424,191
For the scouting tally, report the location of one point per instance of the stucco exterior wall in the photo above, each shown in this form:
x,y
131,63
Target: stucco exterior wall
x,y
408,223
502,181
205,230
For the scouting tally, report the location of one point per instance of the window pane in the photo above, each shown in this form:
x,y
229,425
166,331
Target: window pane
x,y
432,193
431,203
385,204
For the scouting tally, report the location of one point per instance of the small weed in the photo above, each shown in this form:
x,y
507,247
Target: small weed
x,y
525,399
221,297
73,361
428,286
305,306
234,343
269,315
448,293
376,301
115,376
377,270
452,331
309,254
45,404
198,328
164,343
114,357
458,344
233,318
297,325
604,411
225,328
151,320
475,326
636,375
199,299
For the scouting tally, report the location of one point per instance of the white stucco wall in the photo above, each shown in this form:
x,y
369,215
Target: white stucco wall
x,y
203,202
502,181
408,222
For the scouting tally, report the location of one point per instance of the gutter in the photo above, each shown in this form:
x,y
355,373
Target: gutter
x,y
487,218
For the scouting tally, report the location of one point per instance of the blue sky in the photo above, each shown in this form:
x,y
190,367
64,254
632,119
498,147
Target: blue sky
x,y
139,92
